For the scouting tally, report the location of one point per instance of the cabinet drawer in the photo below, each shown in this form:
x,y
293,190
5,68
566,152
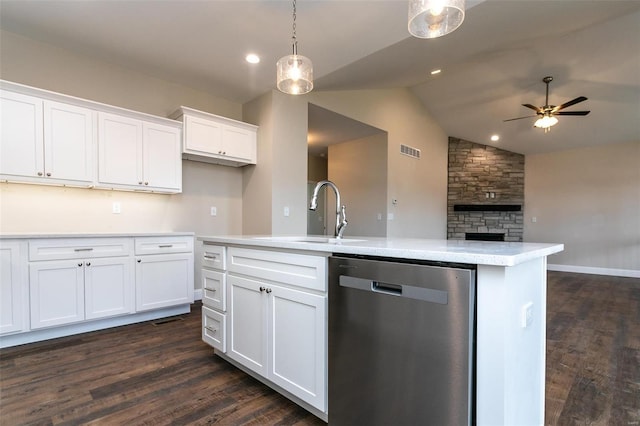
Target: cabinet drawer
x,y
78,248
300,270
214,325
214,290
213,256
163,245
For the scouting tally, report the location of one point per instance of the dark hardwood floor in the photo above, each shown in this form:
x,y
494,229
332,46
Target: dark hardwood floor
x,y
163,374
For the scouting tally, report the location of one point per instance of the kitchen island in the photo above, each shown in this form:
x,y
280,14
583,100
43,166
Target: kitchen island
x,y
510,307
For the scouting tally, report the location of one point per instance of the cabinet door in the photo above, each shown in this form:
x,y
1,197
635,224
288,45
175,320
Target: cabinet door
x,y
163,280
68,142
56,292
12,302
298,343
119,150
21,137
202,136
239,143
247,318
109,287
162,162
214,289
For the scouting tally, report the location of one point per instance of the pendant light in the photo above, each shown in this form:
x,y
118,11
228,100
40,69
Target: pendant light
x,y
294,72
434,18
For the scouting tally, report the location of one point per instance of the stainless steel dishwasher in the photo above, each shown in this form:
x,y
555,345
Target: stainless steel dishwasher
x,y
401,342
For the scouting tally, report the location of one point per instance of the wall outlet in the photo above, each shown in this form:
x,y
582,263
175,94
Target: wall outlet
x,y
526,315
286,212
214,211
390,216
116,208
534,219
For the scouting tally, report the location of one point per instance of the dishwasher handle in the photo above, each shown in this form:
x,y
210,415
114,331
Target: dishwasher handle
x,y
411,292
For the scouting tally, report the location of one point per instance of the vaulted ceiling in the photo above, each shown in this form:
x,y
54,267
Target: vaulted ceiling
x,y
490,66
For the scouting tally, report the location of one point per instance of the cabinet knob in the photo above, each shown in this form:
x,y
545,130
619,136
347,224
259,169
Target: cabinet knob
x,y
80,264
262,289
48,174
224,152
269,290
39,173
139,260
88,263
146,183
140,183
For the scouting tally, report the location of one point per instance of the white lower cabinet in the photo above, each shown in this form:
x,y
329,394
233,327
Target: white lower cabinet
x,y
68,291
164,272
57,292
163,280
279,333
14,296
109,287
54,287
276,328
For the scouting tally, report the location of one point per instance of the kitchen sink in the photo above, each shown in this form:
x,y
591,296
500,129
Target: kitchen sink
x,y
309,239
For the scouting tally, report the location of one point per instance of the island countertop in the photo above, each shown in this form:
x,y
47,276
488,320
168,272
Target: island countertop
x,y
456,251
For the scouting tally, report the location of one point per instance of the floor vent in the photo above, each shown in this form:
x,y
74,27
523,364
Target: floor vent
x,y
411,152
166,320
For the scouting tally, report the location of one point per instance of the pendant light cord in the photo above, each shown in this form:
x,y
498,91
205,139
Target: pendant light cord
x,y
294,41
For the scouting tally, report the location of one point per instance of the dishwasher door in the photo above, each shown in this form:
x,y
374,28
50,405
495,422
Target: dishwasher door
x,y
401,343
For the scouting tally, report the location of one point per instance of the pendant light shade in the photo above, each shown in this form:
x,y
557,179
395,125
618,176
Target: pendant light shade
x,y
294,73
434,18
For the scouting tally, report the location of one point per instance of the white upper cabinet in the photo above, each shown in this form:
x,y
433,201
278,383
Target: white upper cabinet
x,y
120,150
68,142
139,155
53,139
45,141
22,143
214,139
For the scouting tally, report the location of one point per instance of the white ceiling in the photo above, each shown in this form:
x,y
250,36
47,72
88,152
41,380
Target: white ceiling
x,y
490,66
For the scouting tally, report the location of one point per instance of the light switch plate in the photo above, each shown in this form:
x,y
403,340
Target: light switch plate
x,y
116,208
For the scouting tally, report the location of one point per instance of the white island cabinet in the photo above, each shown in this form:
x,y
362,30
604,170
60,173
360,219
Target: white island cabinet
x,y
59,285
271,329
276,318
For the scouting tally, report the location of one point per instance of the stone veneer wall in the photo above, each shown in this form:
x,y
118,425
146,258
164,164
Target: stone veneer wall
x,y
474,171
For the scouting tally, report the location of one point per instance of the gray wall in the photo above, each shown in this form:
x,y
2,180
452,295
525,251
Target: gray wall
x,y
588,199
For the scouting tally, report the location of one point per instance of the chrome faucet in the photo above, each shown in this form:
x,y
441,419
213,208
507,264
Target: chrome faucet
x,y
341,215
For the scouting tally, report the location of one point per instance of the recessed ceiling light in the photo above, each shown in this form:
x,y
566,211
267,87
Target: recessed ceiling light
x,y
495,138
252,58
434,72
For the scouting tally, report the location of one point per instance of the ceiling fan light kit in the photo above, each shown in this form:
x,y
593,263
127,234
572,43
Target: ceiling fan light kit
x,y
434,18
294,73
546,114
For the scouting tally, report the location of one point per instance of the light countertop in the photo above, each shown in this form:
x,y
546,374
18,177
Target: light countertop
x,y
95,235
456,251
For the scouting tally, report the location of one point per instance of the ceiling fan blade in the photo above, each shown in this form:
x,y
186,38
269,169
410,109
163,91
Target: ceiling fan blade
x,y
520,118
535,108
572,113
571,102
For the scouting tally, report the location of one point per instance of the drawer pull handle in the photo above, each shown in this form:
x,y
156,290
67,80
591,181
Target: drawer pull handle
x,y
83,249
210,257
211,329
209,289
165,245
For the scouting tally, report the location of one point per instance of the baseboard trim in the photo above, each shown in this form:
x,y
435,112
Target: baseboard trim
x,y
630,273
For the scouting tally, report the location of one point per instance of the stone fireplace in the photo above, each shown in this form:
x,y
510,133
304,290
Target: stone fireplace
x,y
485,192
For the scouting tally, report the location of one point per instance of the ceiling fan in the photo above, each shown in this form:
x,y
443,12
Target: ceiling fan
x,y
546,114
